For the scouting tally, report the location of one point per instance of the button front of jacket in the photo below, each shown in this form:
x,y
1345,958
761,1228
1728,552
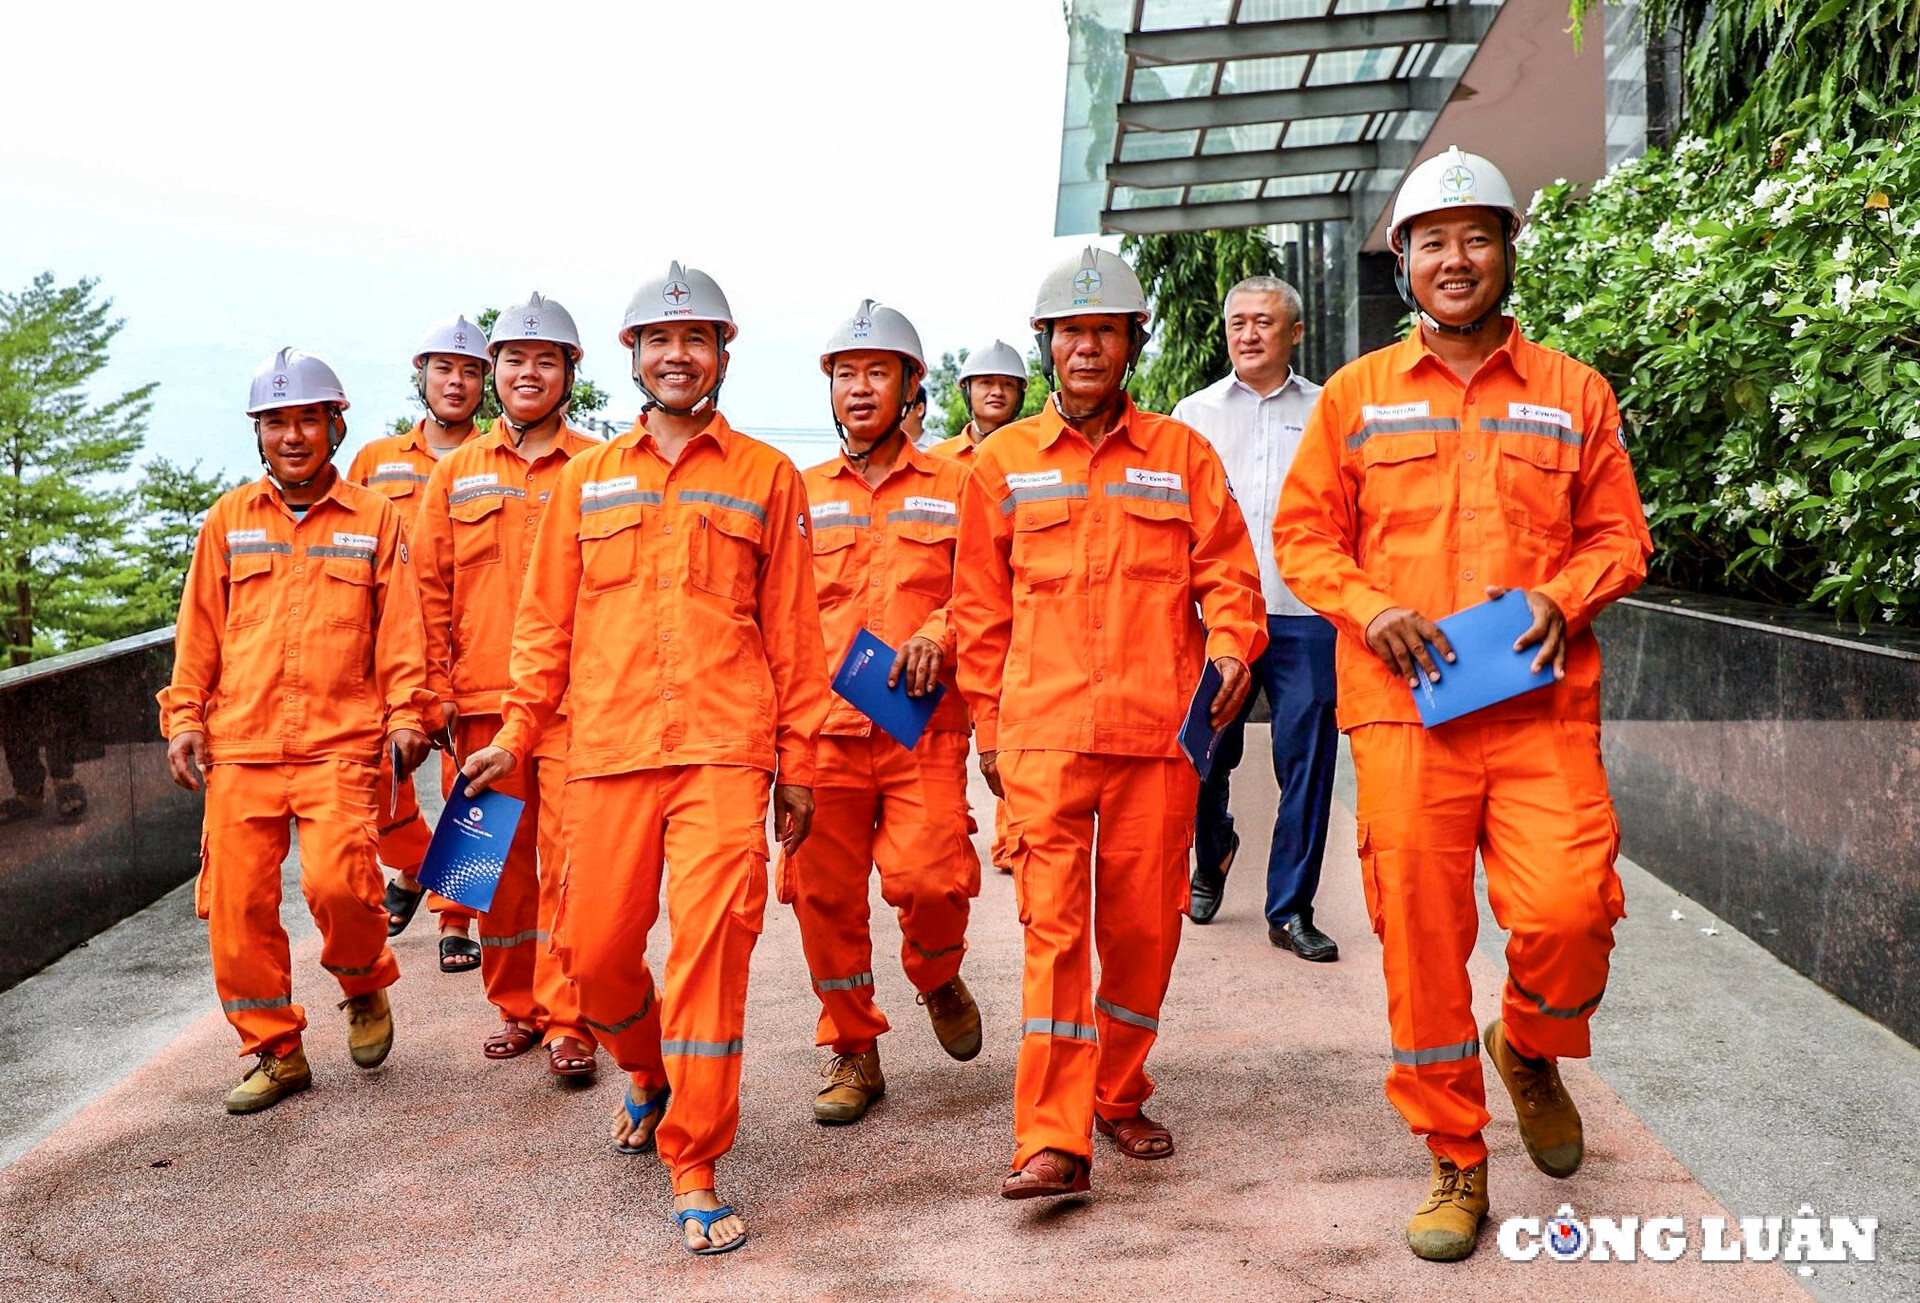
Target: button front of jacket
x,y
1078,578
1415,489
883,560
397,468
473,543
673,605
299,637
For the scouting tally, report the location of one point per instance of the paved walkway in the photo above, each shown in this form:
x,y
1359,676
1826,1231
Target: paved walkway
x,y
443,1175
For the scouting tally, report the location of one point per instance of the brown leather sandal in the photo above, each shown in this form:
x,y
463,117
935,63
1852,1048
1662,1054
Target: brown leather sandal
x,y
1135,1134
510,1042
570,1057
1049,1172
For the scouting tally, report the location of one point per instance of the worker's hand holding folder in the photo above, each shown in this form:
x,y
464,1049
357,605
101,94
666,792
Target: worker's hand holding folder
x,y
862,680
469,848
1485,669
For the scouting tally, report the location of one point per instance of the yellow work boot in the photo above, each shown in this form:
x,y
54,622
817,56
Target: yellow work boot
x,y
956,1018
369,1028
1549,1123
271,1079
1447,1224
853,1083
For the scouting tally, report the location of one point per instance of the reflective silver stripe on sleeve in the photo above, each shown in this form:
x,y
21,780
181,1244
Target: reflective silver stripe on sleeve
x,y
347,972
753,509
853,983
1506,425
1119,1014
642,498
1403,425
1439,1054
479,491
702,1049
350,553
517,939
615,1029
397,477
1150,492
923,517
240,1006
1580,1010
258,549
1076,1031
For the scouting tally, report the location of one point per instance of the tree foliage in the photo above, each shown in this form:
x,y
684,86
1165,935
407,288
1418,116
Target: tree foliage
x,y
172,501
1187,275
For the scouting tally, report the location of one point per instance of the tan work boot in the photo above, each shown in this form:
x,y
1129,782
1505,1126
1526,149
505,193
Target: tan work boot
x,y
1549,1123
270,1080
956,1018
369,1028
1447,1226
853,1083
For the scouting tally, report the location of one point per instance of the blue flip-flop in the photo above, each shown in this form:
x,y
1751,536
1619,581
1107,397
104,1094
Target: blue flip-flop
x,y
637,1113
706,1220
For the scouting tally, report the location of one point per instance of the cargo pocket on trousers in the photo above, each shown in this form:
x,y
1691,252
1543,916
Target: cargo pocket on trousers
x,y
1613,896
1370,880
201,905
785,887
750,903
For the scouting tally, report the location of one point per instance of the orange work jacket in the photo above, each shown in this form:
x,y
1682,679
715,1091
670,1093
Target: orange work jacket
x,y
473,542
959,447
675,603
1077,580
883,561
1413,488
396,467
299,636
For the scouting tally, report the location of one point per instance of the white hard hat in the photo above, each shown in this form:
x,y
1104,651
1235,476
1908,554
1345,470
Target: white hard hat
x,y
536,319
291,378
874,326
1094,282
456,337
996,359
683,294
1452,180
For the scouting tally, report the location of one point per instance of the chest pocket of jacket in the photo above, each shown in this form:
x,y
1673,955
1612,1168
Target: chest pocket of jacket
x,y
723,553
923,558
1159,539
610,549
1403,483
1536,483
834,570
476,531
249,594
349,592
1042,541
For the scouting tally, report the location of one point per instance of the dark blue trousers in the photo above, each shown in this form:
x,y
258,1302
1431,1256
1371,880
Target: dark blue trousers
x,y
1296,673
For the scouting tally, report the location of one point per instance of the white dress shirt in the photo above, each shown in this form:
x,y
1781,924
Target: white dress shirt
x,y
1256,436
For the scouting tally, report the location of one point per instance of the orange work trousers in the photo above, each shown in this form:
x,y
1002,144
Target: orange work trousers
x,y
710,823
523,977
877,804
244,843
1084,1050
1530,796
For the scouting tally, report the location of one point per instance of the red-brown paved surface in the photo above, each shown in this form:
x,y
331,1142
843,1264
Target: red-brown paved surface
x,y
442,1175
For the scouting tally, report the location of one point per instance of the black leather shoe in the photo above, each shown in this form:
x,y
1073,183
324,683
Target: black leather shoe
x,y
1304,939
1209,885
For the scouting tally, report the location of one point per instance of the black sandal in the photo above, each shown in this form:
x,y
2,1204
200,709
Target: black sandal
x,y
458,947
401,905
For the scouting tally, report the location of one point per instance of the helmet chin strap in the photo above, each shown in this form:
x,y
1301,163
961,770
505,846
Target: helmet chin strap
x,y
860,460
1404,284
710,401
521,431
336,435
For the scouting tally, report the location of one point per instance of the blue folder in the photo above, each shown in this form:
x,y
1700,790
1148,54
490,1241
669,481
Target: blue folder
x,y
1486,668
1199,739
469,847
862,680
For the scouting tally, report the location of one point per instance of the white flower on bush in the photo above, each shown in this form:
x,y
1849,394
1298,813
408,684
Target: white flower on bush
x,y
1758,494
1687,146
1867,291
1576,312
1842,293
1843,253
1911,432
1799,328
1769,298
1767,191
1723,477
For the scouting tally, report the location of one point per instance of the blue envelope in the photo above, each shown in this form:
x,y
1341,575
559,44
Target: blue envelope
x,y
862,680
1199,739
1486,668
469,847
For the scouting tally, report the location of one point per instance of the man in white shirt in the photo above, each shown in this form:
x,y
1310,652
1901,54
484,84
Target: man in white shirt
x,y
1254,418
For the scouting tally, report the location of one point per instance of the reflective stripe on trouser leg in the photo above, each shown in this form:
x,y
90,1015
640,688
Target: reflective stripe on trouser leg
x,y
239,895
1549,847
716,840
1140,890
553,990
340,871
1419,801
1051,798
923,812
829,881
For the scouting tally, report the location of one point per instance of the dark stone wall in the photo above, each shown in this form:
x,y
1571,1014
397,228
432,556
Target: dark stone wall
x,y
1767,763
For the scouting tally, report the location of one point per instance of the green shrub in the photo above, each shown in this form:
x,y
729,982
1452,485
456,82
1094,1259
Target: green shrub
x,y
1759,315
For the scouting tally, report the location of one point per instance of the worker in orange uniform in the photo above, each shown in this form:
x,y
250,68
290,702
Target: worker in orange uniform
x,y
450,376
473,542
993,381
1088,535
884,517
297,661
670,603
1455,465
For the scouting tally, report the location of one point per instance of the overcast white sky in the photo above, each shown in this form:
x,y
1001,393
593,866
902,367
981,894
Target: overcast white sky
x,y
336,176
